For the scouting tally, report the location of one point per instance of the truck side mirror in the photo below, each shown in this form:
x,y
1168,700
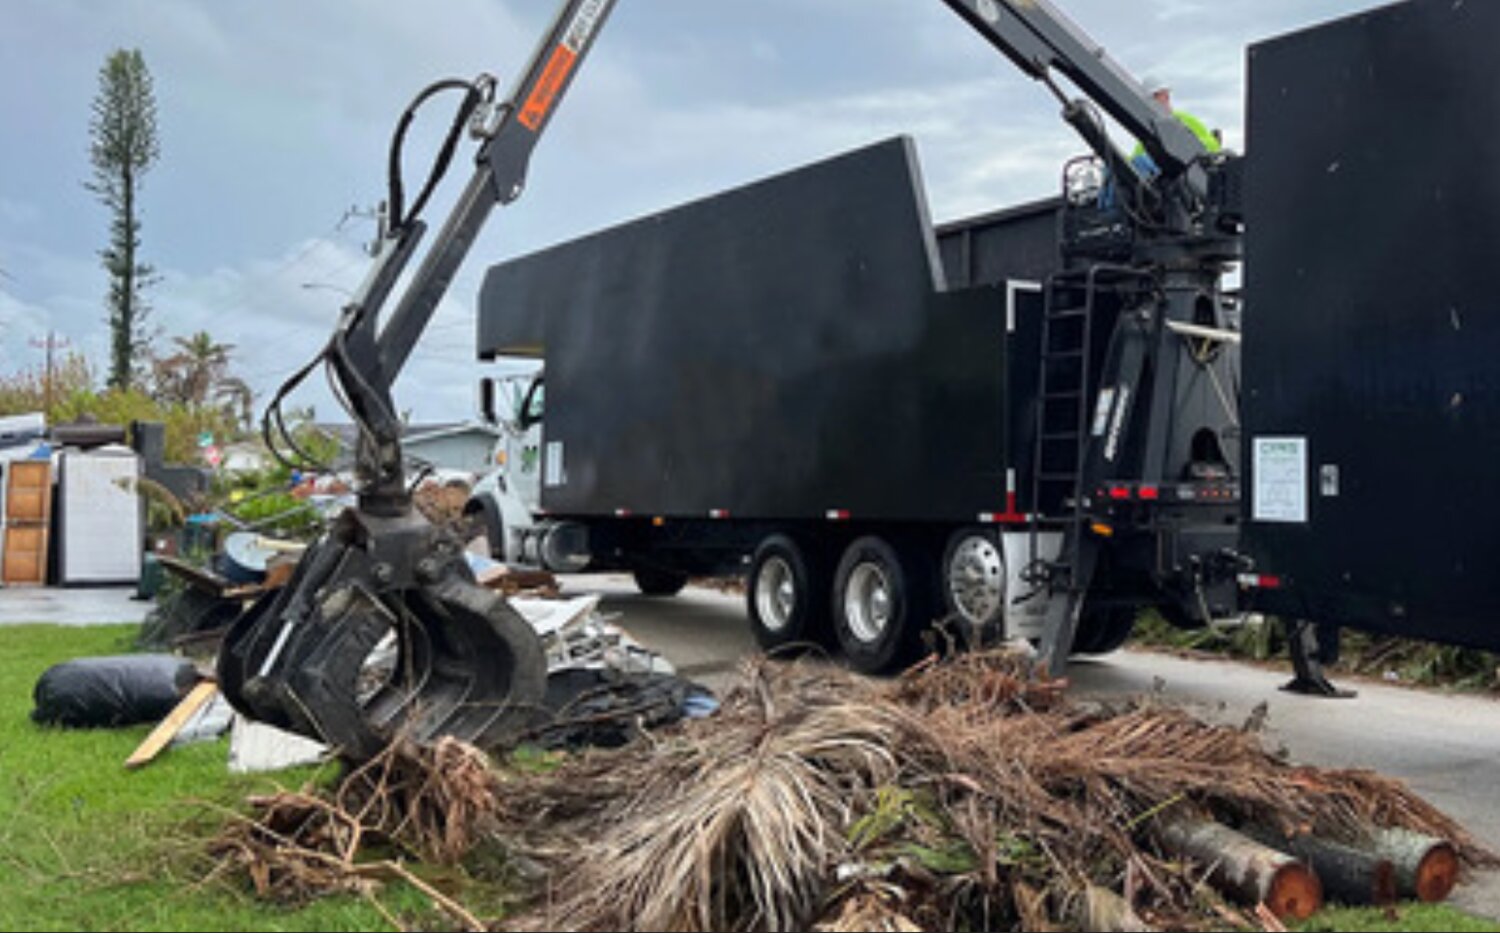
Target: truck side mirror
x,y
487,400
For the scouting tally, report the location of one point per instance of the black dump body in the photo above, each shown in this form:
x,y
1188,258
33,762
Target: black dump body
x,y
1372,321
779,351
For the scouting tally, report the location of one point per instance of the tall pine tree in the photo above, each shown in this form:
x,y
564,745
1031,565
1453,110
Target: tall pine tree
x,y
123,149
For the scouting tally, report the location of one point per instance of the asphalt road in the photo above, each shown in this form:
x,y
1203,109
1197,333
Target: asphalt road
x,y
1446,747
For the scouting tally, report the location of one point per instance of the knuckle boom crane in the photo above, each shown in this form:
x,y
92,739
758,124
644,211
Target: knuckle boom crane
x,y
1133,455
467,664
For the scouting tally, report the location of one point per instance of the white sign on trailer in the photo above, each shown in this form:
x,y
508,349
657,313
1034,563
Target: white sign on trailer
x,y
1280,490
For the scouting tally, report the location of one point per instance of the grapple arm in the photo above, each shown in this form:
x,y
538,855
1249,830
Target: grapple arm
x,y
382,630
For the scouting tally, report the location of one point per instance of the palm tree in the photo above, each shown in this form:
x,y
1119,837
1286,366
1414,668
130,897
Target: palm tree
x,y
234,396
191,375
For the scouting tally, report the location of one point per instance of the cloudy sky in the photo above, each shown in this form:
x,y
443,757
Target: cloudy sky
x,y
275,116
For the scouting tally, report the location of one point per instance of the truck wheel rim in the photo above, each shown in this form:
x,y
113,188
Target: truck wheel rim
x,y
775,594
867,603
976,579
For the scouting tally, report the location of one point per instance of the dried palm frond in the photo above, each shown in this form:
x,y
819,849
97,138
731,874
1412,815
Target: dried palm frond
x,y
738,831
876,908
734,825
1000,680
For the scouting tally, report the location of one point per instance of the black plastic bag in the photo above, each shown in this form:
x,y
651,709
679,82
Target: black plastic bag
x,y
115,690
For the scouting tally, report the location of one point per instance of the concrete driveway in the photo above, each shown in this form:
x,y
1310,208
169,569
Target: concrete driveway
x,y
79,605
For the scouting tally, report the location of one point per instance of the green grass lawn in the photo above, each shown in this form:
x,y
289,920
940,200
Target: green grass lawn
x,y
1433,917
87,845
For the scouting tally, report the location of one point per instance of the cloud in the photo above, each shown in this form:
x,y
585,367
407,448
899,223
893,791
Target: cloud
x,y
279,312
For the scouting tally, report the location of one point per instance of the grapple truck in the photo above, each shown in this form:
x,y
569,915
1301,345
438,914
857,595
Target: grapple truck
x,y
1132,333
1027,423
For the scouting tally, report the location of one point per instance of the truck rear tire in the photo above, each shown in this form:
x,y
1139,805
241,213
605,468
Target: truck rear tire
x,y
654,581
1104,629
881,605
785,595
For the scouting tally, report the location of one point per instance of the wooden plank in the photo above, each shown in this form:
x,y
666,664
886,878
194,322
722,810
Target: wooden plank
x,y
200,577
168,728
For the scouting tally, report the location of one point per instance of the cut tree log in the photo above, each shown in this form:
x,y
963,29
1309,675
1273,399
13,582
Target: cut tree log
x,y
1348,874
1245,869
168,728
1426,867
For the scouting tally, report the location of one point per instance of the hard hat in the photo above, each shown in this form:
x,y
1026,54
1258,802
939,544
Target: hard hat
x,y
1154,83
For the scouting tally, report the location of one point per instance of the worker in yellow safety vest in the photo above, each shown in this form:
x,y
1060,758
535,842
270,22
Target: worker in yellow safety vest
x,y
1162,93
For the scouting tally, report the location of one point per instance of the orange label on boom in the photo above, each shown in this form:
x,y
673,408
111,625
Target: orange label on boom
x,y
548,86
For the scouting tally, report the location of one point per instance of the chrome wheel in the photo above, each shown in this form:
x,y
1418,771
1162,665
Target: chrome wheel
x,y
867,602
975,579
775,594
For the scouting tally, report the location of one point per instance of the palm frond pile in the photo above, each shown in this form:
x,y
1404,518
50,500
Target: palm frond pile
x,y
964,795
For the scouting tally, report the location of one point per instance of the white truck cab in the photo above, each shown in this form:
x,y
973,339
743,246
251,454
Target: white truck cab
x,y
506,499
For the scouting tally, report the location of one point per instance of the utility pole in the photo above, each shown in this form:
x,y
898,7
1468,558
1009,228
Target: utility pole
x,y
51,344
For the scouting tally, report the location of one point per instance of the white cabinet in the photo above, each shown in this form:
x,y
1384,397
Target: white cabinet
x,y
100,516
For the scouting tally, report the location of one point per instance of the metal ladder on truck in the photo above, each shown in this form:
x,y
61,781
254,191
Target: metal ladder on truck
x,y
1065,462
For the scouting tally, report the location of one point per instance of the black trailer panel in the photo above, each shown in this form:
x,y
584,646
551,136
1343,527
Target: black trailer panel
x,y
1372,321
1018,243
781,350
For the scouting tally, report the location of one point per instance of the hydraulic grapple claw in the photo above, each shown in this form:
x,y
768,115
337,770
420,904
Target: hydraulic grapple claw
x,y
382,632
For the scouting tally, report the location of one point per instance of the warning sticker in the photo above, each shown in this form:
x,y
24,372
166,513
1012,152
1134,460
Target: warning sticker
x,y
549,86
544,94
1280,468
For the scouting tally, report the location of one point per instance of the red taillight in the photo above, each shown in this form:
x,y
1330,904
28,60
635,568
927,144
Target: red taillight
x,y
1150,492
1264,581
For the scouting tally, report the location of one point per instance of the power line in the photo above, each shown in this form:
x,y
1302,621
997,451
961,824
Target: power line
x,y
245,295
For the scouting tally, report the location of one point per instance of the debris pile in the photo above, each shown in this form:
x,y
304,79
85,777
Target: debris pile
x,y
432,803
964,795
